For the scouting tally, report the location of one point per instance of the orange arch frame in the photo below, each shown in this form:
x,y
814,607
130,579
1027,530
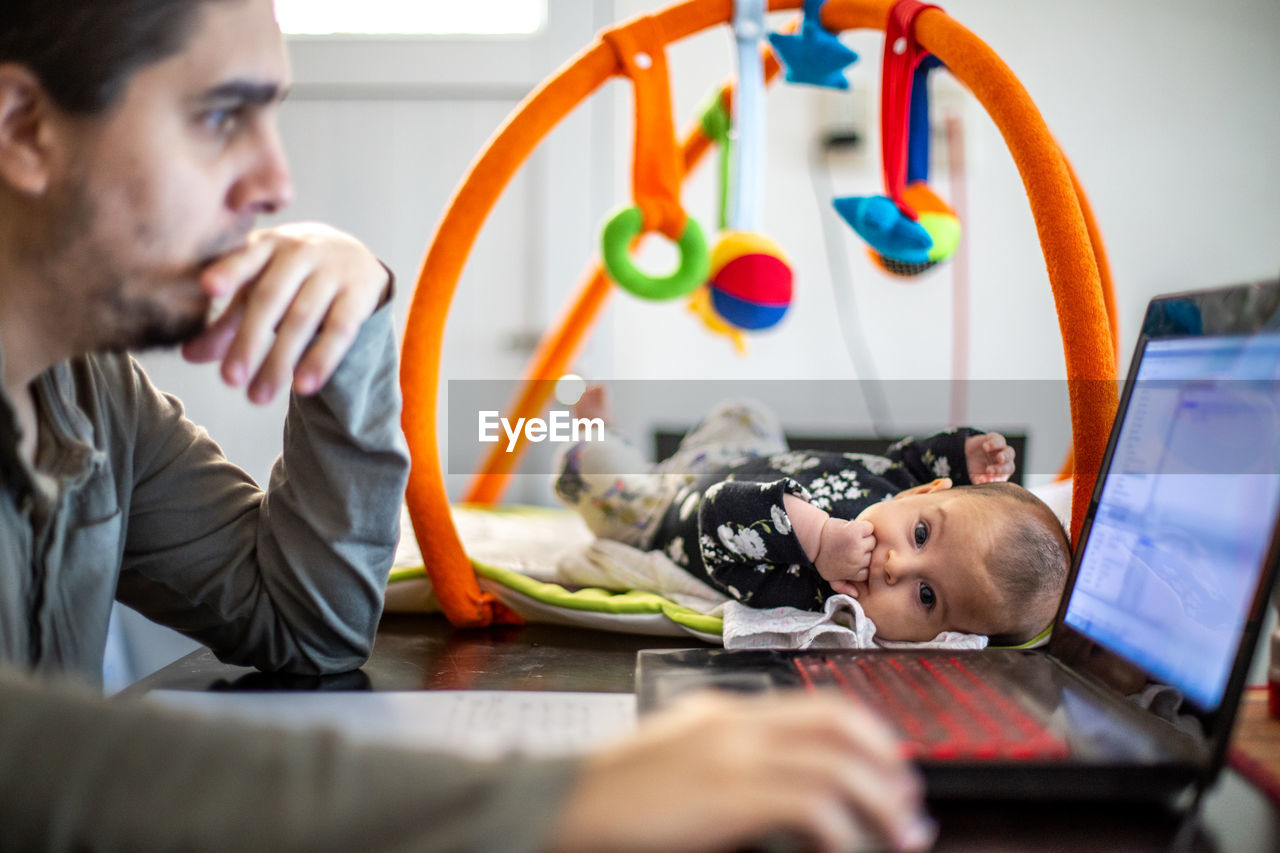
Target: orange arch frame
x,y
1072,246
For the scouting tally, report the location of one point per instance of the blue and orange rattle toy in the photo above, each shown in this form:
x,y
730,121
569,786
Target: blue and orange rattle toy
x,y
910,229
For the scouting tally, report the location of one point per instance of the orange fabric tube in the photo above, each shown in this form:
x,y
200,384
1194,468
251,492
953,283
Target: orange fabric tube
x,y
1108,291
1100,258
655,163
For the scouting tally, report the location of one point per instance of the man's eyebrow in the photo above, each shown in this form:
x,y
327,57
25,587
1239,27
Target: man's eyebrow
x,y
245,92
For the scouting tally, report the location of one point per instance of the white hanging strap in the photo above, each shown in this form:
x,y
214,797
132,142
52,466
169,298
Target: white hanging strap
x,y
746,188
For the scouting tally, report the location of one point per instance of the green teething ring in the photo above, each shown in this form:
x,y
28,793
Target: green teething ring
x,y
695,262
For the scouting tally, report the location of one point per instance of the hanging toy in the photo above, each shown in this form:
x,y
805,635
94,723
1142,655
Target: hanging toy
x,y
911,229
938,220
815,56
750,281
655,175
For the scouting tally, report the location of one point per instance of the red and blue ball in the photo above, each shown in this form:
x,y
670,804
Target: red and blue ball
x,y
750,280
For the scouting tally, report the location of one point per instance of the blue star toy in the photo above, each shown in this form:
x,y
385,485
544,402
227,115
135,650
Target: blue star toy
x,y
815,56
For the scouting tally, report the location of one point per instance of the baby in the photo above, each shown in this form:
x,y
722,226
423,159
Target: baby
x,y
928,538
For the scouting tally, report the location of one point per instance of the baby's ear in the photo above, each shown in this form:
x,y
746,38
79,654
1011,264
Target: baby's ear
x,y
938,485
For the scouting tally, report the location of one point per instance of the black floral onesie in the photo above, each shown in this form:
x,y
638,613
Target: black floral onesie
x,y
729,527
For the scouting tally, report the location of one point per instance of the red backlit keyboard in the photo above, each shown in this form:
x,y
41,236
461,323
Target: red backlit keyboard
x,y
940,706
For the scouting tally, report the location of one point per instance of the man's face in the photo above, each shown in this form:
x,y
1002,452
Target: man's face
x,y
929,571
168,178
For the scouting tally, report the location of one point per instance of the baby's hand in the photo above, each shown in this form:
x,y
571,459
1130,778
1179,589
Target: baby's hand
x,y
844,553
989,457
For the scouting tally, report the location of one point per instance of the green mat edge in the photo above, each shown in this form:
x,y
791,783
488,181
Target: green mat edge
x,y
590,599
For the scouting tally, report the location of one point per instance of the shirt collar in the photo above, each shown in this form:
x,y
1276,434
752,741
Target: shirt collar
x,y
67,450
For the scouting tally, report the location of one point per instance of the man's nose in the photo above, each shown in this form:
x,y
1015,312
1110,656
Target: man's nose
x,y
266,185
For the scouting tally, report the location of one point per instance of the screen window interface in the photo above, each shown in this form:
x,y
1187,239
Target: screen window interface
x,y
1187,511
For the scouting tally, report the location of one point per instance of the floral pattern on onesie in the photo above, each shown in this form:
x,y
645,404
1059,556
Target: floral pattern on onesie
x,y
730,527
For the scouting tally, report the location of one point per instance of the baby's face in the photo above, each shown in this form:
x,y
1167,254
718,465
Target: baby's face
x,y
929,571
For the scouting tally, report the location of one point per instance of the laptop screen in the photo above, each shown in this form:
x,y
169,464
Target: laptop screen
x,y
1187,511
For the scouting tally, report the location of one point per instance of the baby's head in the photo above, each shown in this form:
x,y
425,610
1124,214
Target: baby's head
x,y
984,559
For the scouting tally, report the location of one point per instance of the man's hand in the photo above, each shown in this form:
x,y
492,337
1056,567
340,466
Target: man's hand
x,y
299,294
844,553
720,773
989,458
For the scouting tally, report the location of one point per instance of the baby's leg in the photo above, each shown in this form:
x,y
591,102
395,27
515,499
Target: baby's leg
x,y
733,429
613,488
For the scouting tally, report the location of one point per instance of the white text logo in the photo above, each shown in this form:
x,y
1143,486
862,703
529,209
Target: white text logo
x,y
559,427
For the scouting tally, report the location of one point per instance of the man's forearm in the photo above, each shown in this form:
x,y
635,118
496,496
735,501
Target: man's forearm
x,y
80,773
334,505
292,579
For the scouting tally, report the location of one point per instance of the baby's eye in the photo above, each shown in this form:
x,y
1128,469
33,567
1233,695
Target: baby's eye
x,y
927,596
920,534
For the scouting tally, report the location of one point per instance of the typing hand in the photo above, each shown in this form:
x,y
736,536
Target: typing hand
x,y
844,553
989,458
718,772
298,296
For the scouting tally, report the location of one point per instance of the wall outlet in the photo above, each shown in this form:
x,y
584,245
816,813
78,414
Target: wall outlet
x,y
848,114
855,113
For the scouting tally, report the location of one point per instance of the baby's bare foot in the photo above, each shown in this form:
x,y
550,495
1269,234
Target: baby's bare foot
x,y
594,403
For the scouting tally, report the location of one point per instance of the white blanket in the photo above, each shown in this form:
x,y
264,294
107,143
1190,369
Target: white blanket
x,y
613,565
840,625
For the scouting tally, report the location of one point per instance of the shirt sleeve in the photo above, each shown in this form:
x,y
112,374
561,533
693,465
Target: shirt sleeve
x,y
750,550
290,578
80,773
924,460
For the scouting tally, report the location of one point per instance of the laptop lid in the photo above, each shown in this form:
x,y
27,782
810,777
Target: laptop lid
x,y
1179,546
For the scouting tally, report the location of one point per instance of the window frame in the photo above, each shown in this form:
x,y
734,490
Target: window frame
x,y
470,65
546,4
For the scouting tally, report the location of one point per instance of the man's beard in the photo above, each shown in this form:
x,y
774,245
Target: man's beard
x,y
137,323
112,312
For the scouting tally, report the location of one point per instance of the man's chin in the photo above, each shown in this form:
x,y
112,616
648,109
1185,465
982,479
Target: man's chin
x,y
149,326
172,332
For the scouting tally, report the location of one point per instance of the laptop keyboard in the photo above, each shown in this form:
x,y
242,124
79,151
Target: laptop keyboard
x,y
941,707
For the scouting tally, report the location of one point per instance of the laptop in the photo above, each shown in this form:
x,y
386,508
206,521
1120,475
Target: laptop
x,y
1136,692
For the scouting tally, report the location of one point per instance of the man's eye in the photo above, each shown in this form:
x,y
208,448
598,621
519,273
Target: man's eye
x,y
920,534
927,597
222,121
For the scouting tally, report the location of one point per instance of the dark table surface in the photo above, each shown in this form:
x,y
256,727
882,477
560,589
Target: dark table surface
x,y
426,653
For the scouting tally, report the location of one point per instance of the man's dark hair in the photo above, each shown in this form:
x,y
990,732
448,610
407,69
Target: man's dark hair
x,y
1030,561
85,51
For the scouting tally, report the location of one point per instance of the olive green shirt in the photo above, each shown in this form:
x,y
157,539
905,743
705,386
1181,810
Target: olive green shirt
x,y
130,501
